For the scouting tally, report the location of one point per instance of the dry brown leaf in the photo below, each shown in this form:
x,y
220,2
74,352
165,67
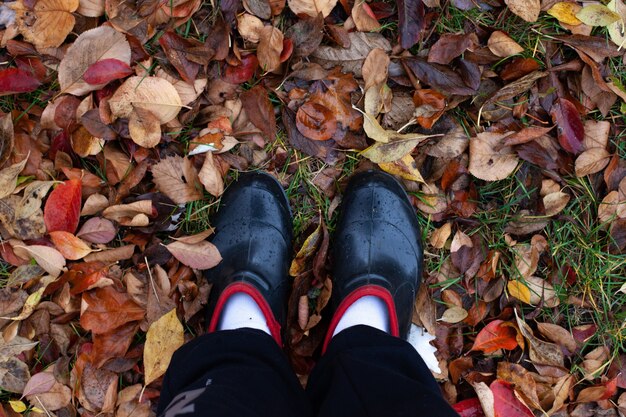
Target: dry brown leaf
x,y
270,48
607,209
153,94
113,255
591,161
94,204
46,257
144,128
454,315
312,7
177,178
162,339
541,353
558,335
554,203
124,213
375,68
85,144
596,134
188,92
202,255
362,18
502,45
211,177
8,178
91,46
91,8
488,164
48,23
249,27
526,9
440,236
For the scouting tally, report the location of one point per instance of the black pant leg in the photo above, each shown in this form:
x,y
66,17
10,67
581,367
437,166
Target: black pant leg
x,y
366,372
237,373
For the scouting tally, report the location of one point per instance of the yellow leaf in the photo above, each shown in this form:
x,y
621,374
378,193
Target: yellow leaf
x,y
597,15
404,167
519,290
565,12
308,248
18,406
163,338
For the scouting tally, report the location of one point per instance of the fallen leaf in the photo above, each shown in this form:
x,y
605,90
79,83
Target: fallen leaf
x,y
554,203
125,213
70,246
312,7
363,17
177,178
454,315
144,128
45,391
202,255
597,15
46,257
404,167
505,402
17,81
91,46
517,289
488,164
47,24
440,77
526,9
8,178
410,21
211,177
591,161
105,309
502,45
259,109
62,210
541,352
440,236
495,336
106,70
270,48
375,68
565,12
558,335
153,94
113,255
315,121
97,230
163,338
350,59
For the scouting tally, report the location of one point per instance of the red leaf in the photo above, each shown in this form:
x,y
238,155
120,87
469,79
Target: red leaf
x,y
469,408
15,81
241,73
32,65
570,128
495,336
106,70
106,309
62,209
505,403
287,49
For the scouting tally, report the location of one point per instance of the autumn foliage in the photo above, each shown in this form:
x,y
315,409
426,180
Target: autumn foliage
x,y
123,122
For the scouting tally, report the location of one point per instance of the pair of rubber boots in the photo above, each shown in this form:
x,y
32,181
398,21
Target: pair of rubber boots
x,y
376,249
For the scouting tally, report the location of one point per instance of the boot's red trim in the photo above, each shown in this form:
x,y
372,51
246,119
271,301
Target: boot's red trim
x,y
370,289
249,289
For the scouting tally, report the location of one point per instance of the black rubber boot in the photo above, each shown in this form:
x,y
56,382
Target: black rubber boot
x,y
253,234
377,250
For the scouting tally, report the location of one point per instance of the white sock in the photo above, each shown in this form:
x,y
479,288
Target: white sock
x,y
369,310
242,311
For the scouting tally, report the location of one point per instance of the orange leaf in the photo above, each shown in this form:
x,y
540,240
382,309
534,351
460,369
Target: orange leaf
x,y
70,246
495,336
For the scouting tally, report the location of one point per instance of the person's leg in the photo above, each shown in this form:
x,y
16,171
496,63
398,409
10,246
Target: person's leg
x,y
239,372
367,369
239,369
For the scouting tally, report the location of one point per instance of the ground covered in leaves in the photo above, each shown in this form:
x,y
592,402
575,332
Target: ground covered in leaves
x,y
123,121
